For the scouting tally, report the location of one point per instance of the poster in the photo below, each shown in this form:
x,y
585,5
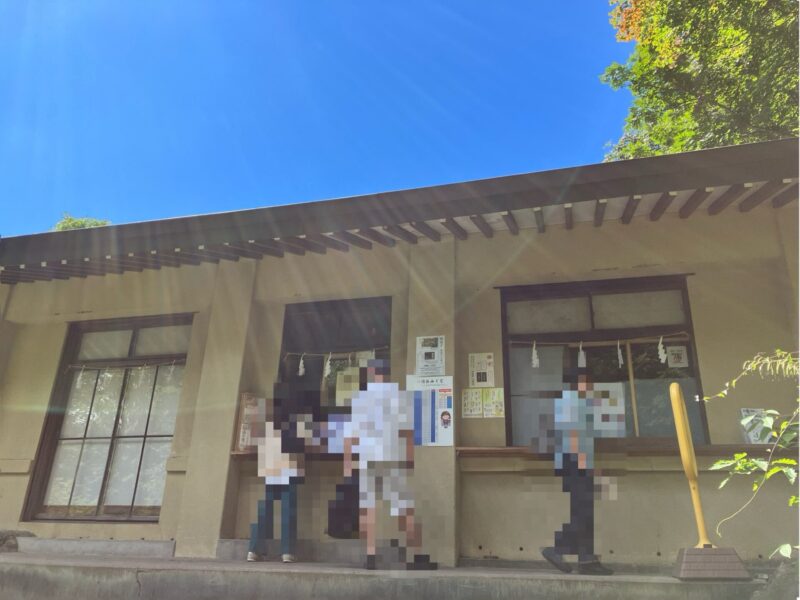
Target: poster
x,y
434,414
494,404
484,403
677,358
472,403
481,370
430,355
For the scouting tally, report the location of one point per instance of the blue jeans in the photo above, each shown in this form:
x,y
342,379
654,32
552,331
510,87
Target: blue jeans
x,y
262,530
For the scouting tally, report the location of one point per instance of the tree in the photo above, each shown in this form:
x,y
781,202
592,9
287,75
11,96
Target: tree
x,y
780,431
70,222
705,73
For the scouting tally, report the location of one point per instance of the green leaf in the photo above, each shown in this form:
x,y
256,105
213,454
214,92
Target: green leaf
x,y
726,480
793,500
785,550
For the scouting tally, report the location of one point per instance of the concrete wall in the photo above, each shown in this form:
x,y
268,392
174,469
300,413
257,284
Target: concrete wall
x,y
743,296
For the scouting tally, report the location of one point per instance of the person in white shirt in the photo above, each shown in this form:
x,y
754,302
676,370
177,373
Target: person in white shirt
x,y
381,435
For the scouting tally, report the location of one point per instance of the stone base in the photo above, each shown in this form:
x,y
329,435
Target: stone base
x,y
704,564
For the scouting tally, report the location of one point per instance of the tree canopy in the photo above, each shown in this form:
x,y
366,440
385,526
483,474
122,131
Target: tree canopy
x,y
705,73
70,222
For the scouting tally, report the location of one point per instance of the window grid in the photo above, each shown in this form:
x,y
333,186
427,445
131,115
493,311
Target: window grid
x,y
35,507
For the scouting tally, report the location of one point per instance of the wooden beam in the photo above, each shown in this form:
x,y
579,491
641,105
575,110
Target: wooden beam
x,y
186,258
630,208
328,242
785,196
661,205
353,240
482,225
537,212
568,221
217,252
242,251
766,191
268,247
375,236
290,247
728,197
511,223
91,268
194,257
306,244
400,233
695,200
427,230
599,211
454,228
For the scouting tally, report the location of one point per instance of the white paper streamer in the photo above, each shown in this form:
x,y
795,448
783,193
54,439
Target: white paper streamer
x,y
619,355
327,371
534,357
581,357
301,368
662,353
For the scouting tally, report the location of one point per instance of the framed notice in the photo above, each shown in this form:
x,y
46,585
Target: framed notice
x,y
481,370
252,414
430,355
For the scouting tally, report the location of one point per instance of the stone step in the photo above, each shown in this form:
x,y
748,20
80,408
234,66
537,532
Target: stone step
x,y
29,577
67,547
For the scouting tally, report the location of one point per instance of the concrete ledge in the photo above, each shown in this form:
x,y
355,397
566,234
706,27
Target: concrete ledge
x,y
131,548
338,552
31,578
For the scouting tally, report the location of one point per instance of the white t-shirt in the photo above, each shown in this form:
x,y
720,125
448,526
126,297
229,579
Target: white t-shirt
x,y
378,415
275,466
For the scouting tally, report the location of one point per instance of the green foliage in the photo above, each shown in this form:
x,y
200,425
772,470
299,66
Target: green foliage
x,y
705,74
69,222
778,430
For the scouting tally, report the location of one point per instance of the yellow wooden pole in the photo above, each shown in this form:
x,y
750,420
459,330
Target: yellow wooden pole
x,y
688,459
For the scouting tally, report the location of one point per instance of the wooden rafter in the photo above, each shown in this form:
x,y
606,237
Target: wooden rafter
x,y
694,201
785,196
537,212
400,233
765,192
348,238
661,205
426,230
482,225
376,236
306,244
511,222
454,228
727,198
328,242
599,211
568,220
630,208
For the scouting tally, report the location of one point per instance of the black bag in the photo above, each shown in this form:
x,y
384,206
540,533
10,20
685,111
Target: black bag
x,y
343,510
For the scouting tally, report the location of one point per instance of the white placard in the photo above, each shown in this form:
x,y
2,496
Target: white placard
x,y
677,358
430,355
472,403
481,370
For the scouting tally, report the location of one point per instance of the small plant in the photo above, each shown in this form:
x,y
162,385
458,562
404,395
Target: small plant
x,y
777,429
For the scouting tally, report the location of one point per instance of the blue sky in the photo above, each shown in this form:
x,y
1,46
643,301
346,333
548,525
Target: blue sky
x,y
143,110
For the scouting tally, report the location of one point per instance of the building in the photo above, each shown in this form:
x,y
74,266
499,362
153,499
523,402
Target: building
x,y
181,316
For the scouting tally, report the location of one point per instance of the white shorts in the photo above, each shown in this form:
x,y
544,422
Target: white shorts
x,y
385,481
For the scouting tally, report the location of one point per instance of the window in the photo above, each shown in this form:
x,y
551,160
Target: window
x,y
618,325
338,332
109,433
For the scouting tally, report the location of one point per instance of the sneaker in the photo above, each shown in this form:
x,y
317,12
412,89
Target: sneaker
x,y
556,559
422,562
593,567
253,557
288,558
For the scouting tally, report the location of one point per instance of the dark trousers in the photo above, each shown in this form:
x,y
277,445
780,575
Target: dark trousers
x,y
577,536
262,529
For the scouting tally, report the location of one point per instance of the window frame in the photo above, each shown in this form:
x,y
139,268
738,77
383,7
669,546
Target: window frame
x,y
59,397
549,291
